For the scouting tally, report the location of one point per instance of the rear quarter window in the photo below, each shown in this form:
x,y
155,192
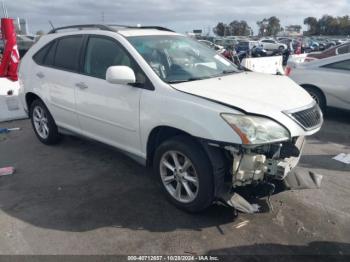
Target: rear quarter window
x,y
40,56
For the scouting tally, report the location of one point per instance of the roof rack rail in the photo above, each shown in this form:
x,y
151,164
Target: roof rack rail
x,y
143,27
156,27
81,27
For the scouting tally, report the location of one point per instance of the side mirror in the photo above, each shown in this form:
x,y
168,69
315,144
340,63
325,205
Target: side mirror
x,y
122,75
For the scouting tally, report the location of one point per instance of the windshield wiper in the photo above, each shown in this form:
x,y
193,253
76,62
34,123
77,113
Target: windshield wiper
x,y
227,72
187,80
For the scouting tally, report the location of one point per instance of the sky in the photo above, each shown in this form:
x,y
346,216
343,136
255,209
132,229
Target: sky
x,y
179,15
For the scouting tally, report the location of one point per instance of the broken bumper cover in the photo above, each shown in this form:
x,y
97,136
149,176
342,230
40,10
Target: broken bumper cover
x,y
255,165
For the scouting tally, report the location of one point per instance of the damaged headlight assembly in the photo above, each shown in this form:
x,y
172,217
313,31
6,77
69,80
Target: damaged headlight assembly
x,y
254,130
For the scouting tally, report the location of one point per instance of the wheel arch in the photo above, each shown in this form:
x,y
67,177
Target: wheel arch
x,y
215,155
316,88
30,97
158,135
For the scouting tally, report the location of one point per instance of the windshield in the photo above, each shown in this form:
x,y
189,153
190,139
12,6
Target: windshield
x,y
180,59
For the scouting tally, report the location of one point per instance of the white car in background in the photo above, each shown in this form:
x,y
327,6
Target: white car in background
x,y
170,102
327,80
272,45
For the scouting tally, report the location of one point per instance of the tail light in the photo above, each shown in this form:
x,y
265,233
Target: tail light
x,y
288,70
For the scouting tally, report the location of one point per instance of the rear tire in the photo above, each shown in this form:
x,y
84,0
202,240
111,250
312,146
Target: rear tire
x,y
318,96
191,171
43,124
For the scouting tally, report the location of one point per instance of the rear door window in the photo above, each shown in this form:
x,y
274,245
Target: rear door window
x,y
343,49
67,53
343,65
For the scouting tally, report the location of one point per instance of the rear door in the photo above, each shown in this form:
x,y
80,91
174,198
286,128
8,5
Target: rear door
x,y
57,76
108,112
336,83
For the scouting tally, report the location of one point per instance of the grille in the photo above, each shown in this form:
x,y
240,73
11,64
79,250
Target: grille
x,y
309,118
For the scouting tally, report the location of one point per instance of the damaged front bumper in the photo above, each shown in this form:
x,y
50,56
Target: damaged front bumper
x,y
255,171
256,164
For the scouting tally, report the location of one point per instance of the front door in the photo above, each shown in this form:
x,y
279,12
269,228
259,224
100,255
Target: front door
x,y
107,112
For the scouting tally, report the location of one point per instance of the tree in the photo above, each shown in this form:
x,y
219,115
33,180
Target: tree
x,y
269,26
344,25
263,24
240,28
328,25
219,29
311,22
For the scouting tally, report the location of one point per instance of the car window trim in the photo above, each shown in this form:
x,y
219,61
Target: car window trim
x,y
343,69
148,84
54,46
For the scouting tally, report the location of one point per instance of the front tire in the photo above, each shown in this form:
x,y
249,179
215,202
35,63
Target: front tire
x,y
43,124
185,173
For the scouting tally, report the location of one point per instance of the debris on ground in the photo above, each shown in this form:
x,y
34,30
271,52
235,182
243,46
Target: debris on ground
x,y
279,219
241,224
5,171
344,158
2,137
7,130
238,202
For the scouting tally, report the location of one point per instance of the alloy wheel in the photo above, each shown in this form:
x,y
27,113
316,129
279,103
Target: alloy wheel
x,y
40,121
179,176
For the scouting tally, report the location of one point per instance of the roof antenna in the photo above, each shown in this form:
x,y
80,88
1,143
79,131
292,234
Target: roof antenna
x,y
4,9
53,28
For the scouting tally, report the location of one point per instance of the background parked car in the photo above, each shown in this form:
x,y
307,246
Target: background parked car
x,y
337,50
249,49
271,44
327,80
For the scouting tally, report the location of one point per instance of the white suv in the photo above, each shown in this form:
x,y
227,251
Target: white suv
x,y
206,127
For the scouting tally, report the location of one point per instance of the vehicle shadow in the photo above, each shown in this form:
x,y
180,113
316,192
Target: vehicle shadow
x,y
324,251
85,185
339,115
336,127
323,162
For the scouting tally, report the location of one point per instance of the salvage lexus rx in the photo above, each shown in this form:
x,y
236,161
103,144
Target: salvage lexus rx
x,y
208,128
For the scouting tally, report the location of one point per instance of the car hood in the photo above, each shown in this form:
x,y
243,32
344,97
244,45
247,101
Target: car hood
x,y
251,92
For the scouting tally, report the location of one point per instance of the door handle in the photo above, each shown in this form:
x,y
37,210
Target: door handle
x,y
81,85
40,75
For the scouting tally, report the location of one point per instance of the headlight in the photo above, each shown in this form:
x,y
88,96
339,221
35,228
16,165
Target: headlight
x,y
256,130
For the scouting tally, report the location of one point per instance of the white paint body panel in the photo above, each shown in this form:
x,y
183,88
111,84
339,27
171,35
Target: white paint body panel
x,y
124,116
335,84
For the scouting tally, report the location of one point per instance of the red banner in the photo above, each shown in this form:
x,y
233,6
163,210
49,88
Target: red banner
x,y
10,56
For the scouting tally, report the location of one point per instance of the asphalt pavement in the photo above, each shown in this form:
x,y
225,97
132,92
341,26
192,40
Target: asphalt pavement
x,y
82,197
